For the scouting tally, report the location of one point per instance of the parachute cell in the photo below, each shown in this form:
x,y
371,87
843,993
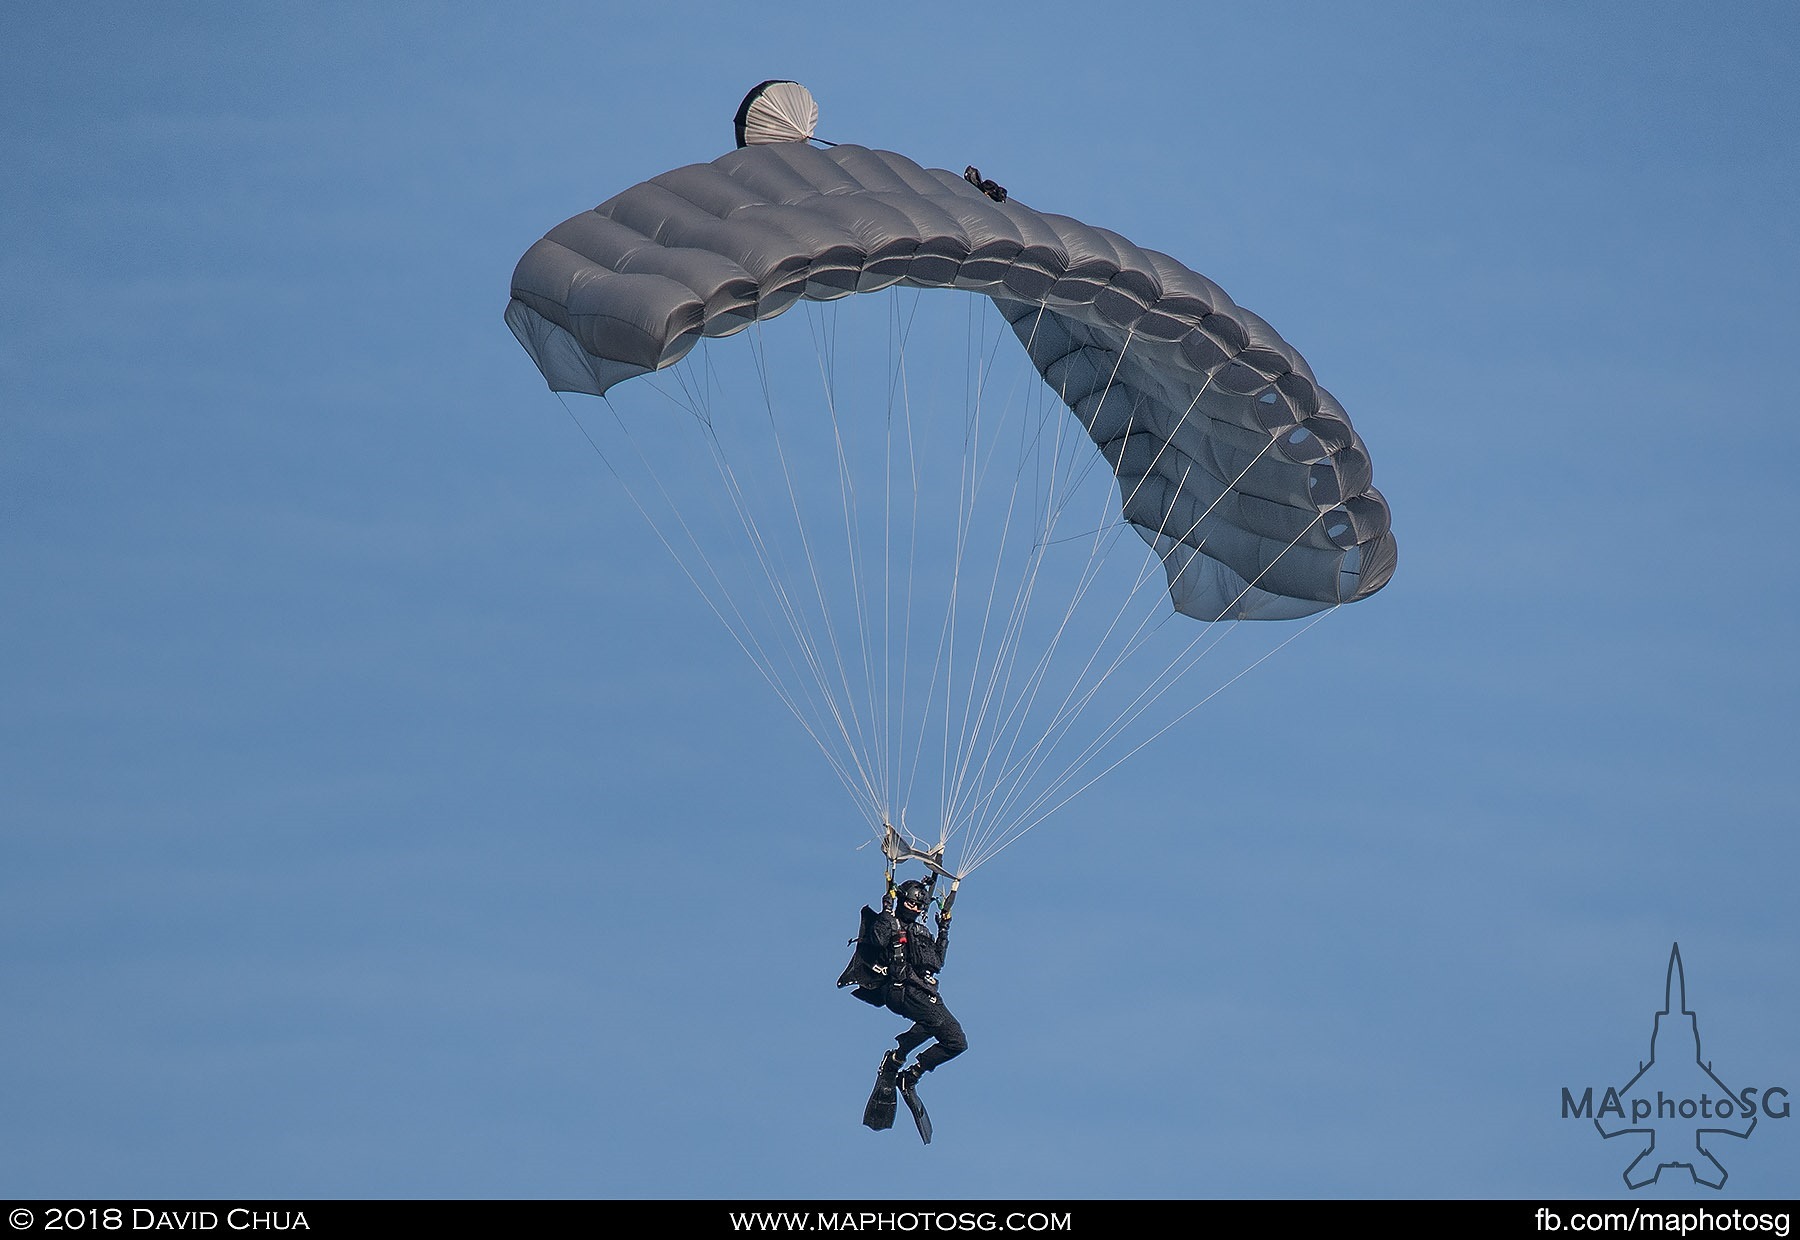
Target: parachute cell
x,y
1243,475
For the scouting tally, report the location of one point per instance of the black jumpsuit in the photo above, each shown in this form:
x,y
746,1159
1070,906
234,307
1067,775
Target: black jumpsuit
x,y
917,997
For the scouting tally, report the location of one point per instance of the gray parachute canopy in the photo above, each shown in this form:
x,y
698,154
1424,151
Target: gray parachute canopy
x,y
1243,474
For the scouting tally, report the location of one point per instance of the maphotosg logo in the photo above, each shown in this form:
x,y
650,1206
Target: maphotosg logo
x,y
1675,1106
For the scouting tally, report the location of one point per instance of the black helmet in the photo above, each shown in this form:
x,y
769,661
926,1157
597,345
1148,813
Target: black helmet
x,y
915,893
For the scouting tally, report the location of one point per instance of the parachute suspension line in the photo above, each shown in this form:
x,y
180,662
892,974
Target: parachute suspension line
x,y
697,403
1007,728
1039,809
1011,728
793,616
1071,708
823,699
996,663
892,758
1004,654
971,472
944,666
851,726
745,639
1177,668
741,631
887,724
887,766
899,385
1037,815
1141,634
1004,767
986,730
824,337
975,465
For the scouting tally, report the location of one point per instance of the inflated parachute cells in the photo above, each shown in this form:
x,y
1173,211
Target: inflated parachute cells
x,y
1232,463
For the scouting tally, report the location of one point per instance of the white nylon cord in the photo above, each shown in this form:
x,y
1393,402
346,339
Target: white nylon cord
x,y
1009,728
1005,656
742,631
1030,816
853,728
824,345
815,685
1013,785
842,660
1006,824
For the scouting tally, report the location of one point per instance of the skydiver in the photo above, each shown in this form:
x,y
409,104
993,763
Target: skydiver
x,y
896,967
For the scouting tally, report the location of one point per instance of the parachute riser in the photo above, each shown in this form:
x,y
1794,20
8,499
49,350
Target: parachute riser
x,y
897,850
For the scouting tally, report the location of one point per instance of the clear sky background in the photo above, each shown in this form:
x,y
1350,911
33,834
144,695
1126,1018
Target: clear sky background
x,y
381,817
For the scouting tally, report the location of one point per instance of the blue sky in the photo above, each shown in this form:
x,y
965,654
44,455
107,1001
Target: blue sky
x,y
381,817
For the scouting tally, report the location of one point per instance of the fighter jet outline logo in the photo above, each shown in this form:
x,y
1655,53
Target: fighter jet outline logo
x,y
1687,1112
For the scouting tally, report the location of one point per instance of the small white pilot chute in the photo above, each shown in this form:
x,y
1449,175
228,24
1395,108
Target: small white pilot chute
x,y
776,111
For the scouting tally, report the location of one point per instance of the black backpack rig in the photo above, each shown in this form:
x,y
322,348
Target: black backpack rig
x,y
877,965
